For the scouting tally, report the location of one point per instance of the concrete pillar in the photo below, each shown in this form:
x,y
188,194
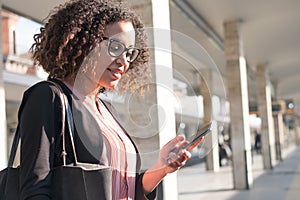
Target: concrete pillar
x,y
265,112
164,80
151,118
278,130
211,146
3,131
239,106
296,128
275,88
286,134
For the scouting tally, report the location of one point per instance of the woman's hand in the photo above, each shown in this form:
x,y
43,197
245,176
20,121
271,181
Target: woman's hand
x,y
173,155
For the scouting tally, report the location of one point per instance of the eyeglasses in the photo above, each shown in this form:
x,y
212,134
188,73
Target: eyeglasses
x,y
117,48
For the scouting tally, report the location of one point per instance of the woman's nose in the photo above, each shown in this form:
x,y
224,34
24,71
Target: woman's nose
x,y
122,60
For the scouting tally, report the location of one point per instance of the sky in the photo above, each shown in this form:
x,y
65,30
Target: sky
x,y
25,29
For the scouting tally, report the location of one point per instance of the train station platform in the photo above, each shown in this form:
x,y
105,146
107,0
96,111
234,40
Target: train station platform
x,y
280,183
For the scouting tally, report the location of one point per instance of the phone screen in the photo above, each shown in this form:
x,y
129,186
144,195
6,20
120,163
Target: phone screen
x,y
202,131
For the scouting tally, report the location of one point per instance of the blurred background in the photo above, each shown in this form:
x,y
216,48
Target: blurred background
x,y
233,62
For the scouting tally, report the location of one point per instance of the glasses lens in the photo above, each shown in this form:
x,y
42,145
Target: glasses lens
x,y
116,48
132,54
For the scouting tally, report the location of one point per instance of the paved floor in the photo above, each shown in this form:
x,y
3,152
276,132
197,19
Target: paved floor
x,y
280,183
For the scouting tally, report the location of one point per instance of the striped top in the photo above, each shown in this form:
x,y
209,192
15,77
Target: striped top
x,y
121,152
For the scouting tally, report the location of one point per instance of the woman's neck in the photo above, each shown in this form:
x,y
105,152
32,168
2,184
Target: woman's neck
x,y
80,89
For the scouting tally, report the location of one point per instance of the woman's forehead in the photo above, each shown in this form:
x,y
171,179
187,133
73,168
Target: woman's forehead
x,y
122,31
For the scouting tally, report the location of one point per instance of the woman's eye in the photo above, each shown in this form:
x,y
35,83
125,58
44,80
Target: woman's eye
x,y
116,48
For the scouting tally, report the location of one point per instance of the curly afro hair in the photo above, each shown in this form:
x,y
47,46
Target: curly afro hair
x,y
75,28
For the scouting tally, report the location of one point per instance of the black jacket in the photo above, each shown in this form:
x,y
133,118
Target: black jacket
x,y
40,126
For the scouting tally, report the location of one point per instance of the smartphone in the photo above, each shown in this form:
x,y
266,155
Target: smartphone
x,y
202,131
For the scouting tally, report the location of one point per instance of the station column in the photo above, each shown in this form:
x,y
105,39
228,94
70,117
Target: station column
x,y
265,112
3,129
211,140
279,130
151,118
296,129
236,72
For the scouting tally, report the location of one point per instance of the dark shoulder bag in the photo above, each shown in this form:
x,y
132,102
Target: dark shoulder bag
x,y
79,181
9,177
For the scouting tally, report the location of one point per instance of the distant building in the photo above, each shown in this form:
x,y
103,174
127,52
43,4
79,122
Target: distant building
x,y
18,71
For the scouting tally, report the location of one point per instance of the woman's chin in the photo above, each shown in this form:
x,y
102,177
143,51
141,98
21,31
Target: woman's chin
x,y
110,86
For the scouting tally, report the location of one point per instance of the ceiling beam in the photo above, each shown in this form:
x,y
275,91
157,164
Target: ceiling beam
x,y
196,18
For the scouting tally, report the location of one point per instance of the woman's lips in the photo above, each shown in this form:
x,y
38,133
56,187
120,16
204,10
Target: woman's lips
x,y
116,73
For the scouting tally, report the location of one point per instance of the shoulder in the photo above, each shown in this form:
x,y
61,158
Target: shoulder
x,y
40,96
42,89
42,86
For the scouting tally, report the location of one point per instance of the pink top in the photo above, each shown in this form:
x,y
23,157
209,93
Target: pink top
x,y
122,155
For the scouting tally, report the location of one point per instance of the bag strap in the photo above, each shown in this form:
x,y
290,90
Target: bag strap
x,y
66,111
70,123
63,119
14,147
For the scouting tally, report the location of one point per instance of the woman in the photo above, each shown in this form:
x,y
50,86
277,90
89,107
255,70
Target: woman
x,y
87,47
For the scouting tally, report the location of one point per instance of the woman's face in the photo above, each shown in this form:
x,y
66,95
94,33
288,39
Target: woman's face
x,y
110,68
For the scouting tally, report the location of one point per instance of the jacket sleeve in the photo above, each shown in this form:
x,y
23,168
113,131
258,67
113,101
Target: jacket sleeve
x,y
139,191
39,117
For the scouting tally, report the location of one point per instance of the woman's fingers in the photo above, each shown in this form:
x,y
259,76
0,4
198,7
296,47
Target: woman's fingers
x,y
174,154
178,159
195,144
174,143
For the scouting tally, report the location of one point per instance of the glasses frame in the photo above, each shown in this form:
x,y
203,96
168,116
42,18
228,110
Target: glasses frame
x,y
126,49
